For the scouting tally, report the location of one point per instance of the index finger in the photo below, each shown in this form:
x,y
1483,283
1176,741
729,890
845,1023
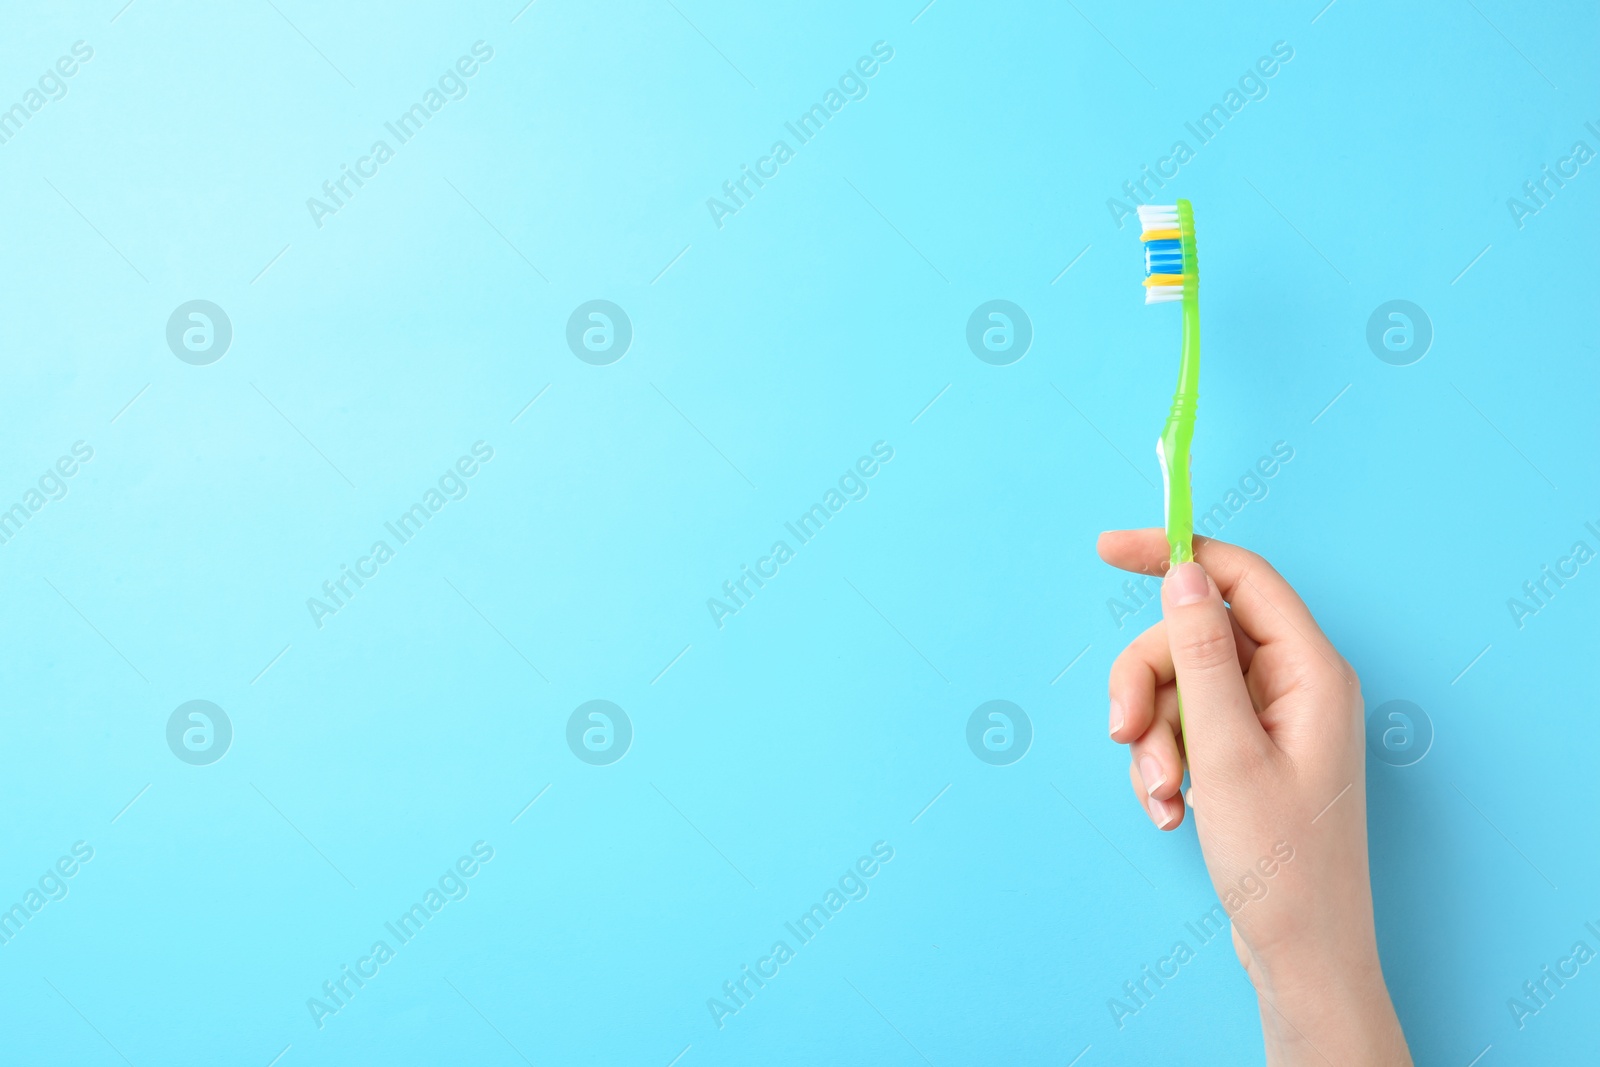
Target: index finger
x,y
1266,606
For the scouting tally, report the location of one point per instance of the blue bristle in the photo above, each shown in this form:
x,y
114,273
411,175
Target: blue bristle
x,y
1163,257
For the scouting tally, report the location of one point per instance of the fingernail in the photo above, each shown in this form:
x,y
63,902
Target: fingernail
x,y
1188,796
1188,583
1118,717
1150,771
1158,813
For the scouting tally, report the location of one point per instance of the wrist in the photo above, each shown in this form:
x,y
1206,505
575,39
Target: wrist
x,y
1335,1008
1311,968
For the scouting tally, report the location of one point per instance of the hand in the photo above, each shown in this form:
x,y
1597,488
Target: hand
x,y
1274,738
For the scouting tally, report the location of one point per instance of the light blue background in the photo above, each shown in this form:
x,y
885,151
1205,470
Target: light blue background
x,y
823,317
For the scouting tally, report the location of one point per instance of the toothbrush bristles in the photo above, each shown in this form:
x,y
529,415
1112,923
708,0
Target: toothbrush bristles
x,y
1163,254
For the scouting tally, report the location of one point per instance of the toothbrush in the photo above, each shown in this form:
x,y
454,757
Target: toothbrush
x,y
1172,273
1172,270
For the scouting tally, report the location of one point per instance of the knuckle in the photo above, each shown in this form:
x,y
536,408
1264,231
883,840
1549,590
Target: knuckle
x,y
1207,649
1254,571
1351,684
1335,673
1135,661
1348,675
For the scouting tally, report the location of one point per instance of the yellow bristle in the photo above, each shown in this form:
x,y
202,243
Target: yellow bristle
x,y
1164,279
1160,235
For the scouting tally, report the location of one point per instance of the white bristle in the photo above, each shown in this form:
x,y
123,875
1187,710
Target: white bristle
x,y
1157,209
1163,294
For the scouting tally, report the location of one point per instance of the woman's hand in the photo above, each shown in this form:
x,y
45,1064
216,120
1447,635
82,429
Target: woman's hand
x,y
1274,740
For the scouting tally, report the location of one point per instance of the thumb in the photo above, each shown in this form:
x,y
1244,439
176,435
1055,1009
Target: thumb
x,y
1219,721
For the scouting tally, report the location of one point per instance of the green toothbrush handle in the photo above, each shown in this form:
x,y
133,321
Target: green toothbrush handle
x,y
1174,452
1173,448
1178,433
1176,437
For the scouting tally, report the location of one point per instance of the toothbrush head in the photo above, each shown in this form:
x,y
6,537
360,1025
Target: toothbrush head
x,y
1171,266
